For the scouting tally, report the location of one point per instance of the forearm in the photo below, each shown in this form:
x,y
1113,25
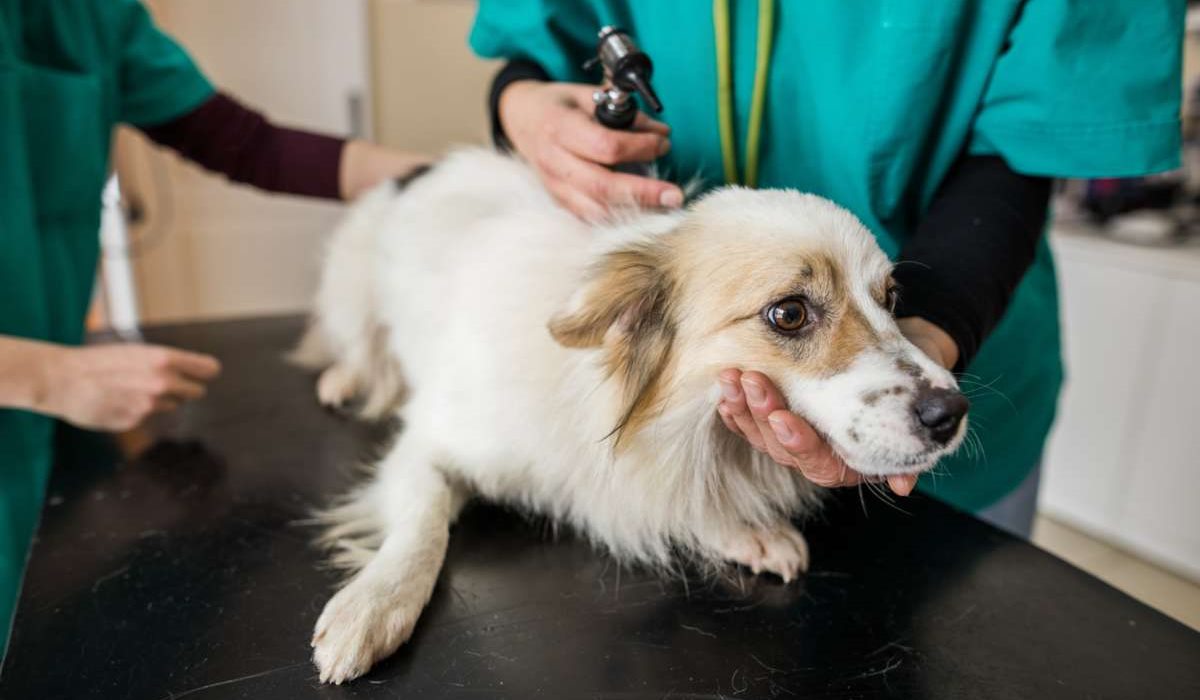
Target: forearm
x,y
24,368
226,137
961,266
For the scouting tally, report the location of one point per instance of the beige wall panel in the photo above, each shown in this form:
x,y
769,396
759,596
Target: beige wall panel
x,y
430,91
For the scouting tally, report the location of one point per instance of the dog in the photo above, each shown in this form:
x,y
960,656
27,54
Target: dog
x,y
569,370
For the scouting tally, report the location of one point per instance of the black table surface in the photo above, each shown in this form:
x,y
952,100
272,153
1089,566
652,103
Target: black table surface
x,y
187,572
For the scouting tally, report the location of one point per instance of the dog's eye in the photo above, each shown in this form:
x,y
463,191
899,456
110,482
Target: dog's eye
x,y
787,316
893,295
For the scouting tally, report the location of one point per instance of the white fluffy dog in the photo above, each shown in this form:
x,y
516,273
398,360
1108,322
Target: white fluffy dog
x,y
570,370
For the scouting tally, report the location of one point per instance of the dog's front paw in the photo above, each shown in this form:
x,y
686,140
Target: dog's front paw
x,y
355,630
780,550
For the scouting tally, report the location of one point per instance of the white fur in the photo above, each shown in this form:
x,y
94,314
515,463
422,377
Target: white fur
x,y
454,281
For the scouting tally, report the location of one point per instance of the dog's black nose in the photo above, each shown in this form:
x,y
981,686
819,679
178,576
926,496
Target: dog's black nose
x,y
941,411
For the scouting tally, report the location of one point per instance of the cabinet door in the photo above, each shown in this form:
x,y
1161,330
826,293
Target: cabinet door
x,y
1111,319
1160,516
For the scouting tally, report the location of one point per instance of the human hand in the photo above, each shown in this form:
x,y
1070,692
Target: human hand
x,y
932,340
551,126
753,407
115,387
364,165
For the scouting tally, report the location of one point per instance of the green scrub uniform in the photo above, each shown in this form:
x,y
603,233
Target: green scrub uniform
x,y
869,103
69,71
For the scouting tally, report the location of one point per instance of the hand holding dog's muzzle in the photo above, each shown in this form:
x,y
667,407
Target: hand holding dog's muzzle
x,y
752,406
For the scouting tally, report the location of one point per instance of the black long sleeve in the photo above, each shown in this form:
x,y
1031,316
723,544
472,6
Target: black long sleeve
x,y
960,267
519,69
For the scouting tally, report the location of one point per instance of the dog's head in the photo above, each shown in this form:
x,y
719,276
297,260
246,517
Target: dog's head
x,y
776,281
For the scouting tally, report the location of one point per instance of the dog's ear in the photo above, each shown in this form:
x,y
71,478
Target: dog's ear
x,y
625,307
626,293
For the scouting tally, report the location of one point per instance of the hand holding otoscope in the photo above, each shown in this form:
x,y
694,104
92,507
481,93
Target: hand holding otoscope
x,y
574,135
627,70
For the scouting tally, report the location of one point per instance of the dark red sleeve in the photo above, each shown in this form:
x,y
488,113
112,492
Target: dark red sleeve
x,y
226,137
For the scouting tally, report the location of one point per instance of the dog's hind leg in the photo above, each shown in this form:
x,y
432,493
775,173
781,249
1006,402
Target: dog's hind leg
x,y
382,385
346,337
367,371
413,503
313,351
336,386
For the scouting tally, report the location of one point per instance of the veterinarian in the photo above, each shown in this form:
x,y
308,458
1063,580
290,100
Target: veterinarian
x,y
69,72
939,124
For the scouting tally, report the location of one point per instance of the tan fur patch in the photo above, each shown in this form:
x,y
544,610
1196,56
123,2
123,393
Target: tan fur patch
x,y
725,283
850,336
627,309
642,363
621,284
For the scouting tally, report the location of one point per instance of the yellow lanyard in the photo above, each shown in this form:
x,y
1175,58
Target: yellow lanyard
x,y
762,65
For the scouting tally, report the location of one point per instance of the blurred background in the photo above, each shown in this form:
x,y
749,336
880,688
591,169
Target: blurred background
x,y
396,71
1122,475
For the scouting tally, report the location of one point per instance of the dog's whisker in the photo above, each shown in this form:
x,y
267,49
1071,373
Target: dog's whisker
x,y
881,493
977,389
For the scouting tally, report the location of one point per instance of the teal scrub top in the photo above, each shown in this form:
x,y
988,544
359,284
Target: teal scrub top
x,y
869,103
69,71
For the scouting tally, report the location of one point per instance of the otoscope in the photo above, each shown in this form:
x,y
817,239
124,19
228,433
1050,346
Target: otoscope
x,y
627,69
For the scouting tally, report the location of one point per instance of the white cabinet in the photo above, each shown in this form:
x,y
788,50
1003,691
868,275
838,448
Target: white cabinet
x,y
1124,458
1161,515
